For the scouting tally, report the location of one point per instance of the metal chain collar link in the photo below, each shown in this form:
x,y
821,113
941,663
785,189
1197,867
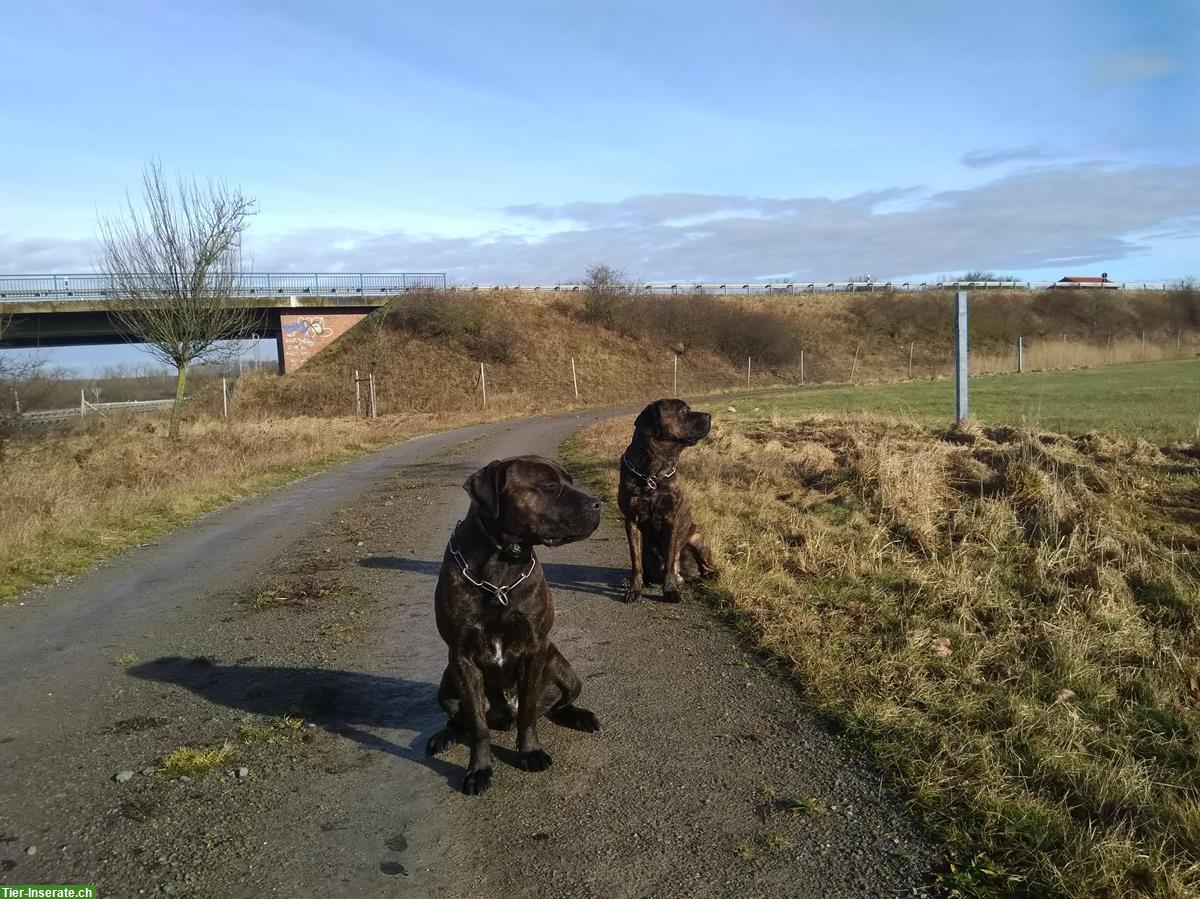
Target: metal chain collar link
x,y
501,593
651,482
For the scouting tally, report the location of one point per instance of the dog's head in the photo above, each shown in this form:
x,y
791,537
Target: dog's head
x,y
530,500
672,421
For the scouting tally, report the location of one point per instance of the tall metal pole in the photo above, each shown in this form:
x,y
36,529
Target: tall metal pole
x,y
357,394
910,352
483,384
802,366
960,355
1020,355
675,388
224,399
574,379
747,371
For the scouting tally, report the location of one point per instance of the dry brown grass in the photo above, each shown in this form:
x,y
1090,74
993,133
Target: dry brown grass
x,y
420,370
1007,620
72,497
1051,355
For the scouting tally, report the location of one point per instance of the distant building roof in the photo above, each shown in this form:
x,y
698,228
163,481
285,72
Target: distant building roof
x,y
1083,279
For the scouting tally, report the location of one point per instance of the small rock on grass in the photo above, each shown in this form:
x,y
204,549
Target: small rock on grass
x,y
123,777
148,771
243,772
31,850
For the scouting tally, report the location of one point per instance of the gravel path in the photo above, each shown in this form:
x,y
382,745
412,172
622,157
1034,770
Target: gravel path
x,y
297,630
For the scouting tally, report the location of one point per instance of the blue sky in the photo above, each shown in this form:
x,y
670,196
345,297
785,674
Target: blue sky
x,y
520,142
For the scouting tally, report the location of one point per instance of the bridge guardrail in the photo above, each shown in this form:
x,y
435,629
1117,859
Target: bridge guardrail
x,y
94,286
47,416
100,287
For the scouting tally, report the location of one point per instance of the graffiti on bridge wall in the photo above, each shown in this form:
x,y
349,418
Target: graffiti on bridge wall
x,y
304,336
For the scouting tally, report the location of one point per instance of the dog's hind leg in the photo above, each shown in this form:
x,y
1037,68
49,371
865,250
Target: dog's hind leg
x,y
696,562
562,689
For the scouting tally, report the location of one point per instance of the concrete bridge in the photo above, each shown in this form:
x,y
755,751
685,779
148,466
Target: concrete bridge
x,y
303,313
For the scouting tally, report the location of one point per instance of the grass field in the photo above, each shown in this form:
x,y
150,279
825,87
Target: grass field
x,y
1156,401
1005,619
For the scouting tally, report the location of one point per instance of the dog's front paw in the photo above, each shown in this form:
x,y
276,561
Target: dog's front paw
x,y
477,782
538,760
632,593
672,595
441,741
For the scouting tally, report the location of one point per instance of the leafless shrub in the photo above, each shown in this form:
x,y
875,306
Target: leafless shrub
x,y
606,293
467,319
729,327
24,383
175,262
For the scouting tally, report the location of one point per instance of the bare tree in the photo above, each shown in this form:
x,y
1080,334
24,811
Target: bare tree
x,y
175,262
21,378
606,289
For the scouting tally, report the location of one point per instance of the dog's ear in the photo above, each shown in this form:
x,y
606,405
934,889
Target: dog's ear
x,y
566,475
649,422
485,486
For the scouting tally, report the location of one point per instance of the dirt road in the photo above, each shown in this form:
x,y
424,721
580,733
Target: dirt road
x,y
297,631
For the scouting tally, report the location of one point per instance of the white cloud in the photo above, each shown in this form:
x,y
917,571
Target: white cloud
x,y
981,158
1056,216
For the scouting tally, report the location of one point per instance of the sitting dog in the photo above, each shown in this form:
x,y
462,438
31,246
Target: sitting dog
x,y
665,546
495,610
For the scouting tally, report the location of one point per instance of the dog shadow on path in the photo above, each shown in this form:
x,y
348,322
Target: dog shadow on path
x,y
598,580
340,702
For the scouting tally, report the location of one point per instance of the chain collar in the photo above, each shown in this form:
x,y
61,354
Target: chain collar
x,y
651,482
499,593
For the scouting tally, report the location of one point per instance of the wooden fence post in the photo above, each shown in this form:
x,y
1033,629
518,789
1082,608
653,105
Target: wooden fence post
x,y
574,379
371,387
224,399
357,395
747,372
910,354
854,367
483,384
1020,355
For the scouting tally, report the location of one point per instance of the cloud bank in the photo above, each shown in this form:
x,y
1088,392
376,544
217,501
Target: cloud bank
x,y
1063,216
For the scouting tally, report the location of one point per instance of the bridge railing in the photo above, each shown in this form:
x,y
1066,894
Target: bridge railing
x,y
101,287
94,286
684,287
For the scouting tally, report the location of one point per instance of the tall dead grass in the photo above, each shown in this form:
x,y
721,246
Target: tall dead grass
x,y
1007,620
1050,355
72,497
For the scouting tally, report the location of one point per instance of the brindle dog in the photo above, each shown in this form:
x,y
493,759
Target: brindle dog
x,y
658,515
495,610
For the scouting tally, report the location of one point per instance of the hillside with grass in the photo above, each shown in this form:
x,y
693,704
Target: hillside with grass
x,y
425,349
1005,619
